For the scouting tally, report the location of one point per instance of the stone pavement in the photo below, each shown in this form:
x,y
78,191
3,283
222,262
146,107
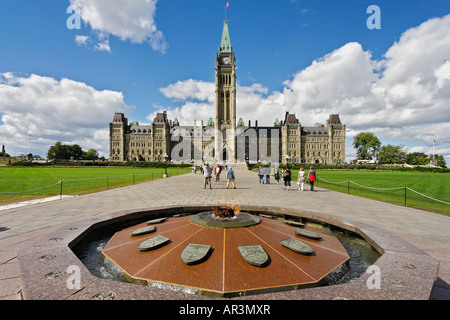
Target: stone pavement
x,y
21,226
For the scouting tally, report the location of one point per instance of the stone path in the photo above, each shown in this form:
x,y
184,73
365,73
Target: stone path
x,y
21,226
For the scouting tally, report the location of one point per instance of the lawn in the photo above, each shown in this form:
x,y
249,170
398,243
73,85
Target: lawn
x,y
20,184
389,186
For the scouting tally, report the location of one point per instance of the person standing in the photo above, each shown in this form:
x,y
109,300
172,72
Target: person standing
x,y
312,178
287,178
260,175
276,175
301,179
231,178
207,174
267,173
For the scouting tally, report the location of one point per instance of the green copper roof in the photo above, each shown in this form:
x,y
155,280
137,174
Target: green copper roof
x,y
225,44
210,122
241,123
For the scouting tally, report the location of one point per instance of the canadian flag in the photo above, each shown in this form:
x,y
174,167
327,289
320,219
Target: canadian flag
x,y
227,5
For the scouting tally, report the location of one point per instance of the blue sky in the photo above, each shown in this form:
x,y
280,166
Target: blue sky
x,y
281,48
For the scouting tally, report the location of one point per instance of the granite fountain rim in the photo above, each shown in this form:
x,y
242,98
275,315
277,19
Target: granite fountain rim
x,y
406,271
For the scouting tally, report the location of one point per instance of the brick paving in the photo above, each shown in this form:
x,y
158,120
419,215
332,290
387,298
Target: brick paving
x,y
21,226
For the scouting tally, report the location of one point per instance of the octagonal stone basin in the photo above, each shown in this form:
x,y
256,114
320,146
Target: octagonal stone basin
x,y
224,272
407,272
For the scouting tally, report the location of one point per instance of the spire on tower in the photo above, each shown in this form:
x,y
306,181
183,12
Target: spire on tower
x,y
225,44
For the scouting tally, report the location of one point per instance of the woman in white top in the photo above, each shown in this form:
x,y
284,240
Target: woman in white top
x,y
301,179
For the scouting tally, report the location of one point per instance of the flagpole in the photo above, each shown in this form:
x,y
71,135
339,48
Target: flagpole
x,y
226,6
433,150
29,143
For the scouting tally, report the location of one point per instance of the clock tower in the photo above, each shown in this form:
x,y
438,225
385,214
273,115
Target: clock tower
x,y
225,90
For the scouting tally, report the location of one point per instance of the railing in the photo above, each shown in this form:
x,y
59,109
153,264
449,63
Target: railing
x,y
87,185
348,183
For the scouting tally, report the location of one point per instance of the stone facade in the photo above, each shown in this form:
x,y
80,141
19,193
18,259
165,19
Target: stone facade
x,y
224,140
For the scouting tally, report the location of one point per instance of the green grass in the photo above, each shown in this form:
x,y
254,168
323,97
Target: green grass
x,y
76,181
435,185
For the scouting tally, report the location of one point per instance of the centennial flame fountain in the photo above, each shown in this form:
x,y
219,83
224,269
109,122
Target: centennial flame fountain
x,y
225,252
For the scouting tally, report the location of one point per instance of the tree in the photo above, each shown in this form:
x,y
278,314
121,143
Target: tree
x,y
58,152
367,145
417,158
440,161
91,154
64,152
75,152
70,152
392,154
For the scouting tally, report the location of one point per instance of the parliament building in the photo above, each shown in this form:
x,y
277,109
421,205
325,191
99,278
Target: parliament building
x,y
223,139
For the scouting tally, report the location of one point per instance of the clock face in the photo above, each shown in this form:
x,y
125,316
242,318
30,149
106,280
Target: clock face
x,y
226,60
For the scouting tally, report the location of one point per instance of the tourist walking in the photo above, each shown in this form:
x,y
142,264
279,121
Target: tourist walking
x,y
207,174
217,172
301,179
231,178
287,178
312,178
260,175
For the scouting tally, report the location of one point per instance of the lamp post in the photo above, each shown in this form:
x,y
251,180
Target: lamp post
x,y
165,161
287,159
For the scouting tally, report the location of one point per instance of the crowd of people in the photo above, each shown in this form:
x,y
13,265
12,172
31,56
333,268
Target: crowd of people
x,y
286,175
207,171
263,176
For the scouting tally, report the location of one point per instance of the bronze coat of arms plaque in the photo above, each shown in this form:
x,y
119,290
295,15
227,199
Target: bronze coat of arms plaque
x,y
294,223
254,255
153,243
297,246
194,253
308,234
142,231
156,221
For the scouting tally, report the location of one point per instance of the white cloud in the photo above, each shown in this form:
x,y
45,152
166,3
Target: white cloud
x,y
103,44
341,82
190,90
52,110
81,41
199,102
404,97
128,20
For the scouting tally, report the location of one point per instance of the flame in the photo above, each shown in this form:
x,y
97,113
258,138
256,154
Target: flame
x,y
228,212
236,208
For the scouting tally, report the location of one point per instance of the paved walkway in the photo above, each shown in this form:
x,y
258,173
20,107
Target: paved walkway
x,y
21,226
